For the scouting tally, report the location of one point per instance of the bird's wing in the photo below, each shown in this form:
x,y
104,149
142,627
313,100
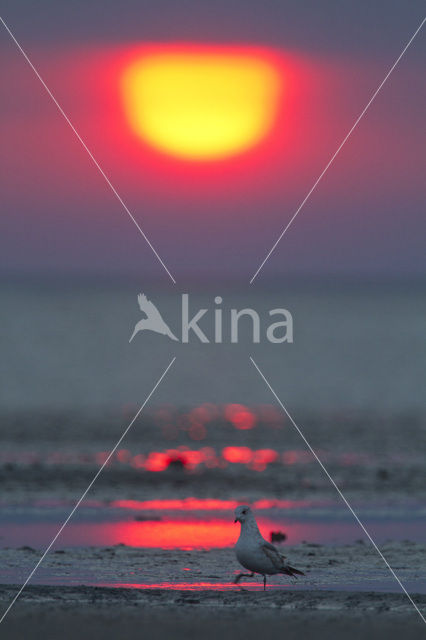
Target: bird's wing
x,y
147,307
277,558
270,546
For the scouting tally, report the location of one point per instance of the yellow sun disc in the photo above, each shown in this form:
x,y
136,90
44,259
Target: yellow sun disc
x,y
201,106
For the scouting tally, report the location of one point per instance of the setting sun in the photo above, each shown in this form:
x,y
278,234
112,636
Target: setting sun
x,y
201,105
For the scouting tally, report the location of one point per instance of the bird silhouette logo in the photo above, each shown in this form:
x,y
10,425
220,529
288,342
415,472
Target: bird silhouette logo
x,y
153,320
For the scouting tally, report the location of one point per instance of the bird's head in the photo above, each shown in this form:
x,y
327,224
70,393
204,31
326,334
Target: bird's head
x,y
242,513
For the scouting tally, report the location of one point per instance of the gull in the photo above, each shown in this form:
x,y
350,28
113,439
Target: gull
x,y
255,553
153,320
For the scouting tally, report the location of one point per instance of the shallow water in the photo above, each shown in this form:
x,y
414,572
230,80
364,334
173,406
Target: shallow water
x,y
354,567
382,586
204,524
66,345
188,544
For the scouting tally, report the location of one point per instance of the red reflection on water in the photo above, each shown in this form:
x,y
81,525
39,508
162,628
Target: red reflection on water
x,y
297,457
205,504
156,461
189,459
205,412
123,455
187,504
186,534
177,534
263,457
270,415
197,431
240,416
239,455
185,458
210,458
194,534
190,586
255,459
197,419
138,462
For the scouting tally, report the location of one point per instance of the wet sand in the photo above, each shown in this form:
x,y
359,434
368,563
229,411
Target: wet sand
x,y
91,612
200,599
354,567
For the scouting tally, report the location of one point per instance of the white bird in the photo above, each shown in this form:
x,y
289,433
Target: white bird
x,y
255,553
153,320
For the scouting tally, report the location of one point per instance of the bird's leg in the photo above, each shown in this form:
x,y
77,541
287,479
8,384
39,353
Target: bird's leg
x,y
243,575
264,583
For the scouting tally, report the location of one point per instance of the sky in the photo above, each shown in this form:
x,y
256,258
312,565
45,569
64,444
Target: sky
x,y
220,217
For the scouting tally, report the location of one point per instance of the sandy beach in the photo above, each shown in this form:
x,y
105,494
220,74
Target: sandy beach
x,y
190,592
89,612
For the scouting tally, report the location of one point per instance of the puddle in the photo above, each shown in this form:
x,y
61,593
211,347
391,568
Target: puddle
x,y
187,544
384,586
200,524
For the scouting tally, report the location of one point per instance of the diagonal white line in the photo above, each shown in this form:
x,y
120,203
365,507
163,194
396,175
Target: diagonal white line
x,y
90,154
339,148
338,490
79,501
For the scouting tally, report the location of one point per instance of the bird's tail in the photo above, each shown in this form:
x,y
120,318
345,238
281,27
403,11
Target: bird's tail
x,y
291,571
